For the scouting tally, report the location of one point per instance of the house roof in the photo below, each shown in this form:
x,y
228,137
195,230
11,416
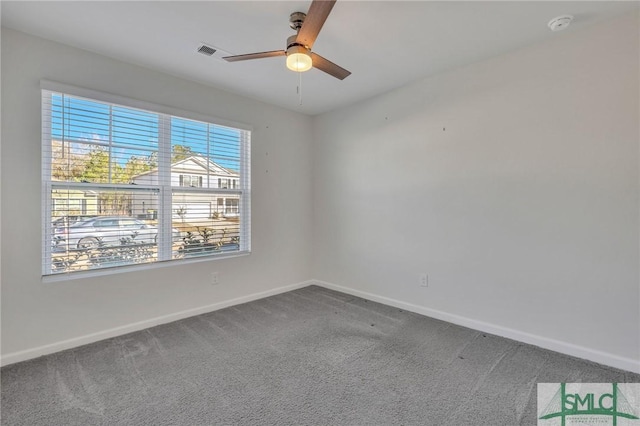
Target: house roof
x,y
187,166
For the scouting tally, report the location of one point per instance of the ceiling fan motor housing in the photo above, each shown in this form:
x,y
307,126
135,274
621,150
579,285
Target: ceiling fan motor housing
x,y
291,42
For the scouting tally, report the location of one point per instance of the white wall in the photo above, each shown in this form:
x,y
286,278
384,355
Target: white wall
x,y
36,314
512,182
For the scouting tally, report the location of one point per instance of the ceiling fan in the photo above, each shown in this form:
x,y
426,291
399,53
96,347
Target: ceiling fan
x,y
298,52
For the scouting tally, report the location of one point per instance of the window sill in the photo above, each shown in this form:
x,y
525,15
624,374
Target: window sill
x,y
139,267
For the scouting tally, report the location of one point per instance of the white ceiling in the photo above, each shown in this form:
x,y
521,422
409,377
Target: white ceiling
x,y
385,44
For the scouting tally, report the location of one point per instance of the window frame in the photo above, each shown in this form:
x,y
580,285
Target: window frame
x,y
181,181
165,189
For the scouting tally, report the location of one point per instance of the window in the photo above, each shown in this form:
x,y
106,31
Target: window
x,y
232,206
187,180
125,183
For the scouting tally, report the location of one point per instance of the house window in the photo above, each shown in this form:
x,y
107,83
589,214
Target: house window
x,y
188,180
139,184
231,207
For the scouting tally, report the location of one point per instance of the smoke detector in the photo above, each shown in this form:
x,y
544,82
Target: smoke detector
x,y
560,22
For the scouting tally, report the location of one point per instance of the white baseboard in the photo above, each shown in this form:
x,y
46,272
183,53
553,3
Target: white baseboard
x,y
600,357
14,357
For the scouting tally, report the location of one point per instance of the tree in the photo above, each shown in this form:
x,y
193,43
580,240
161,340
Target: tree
x,y
71,162
96,167
180,152
132,168
65,165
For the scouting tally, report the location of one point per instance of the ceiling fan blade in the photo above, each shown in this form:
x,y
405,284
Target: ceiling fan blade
x,y
258,55
329,67
317,14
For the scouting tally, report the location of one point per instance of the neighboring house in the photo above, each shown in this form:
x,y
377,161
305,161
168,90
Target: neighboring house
x,y
190,206
74,202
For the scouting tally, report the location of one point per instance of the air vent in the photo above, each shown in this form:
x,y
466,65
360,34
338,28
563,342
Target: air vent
x,y
206,50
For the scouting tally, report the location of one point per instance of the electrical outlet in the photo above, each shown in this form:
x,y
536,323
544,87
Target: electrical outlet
x,y
215,279
424,280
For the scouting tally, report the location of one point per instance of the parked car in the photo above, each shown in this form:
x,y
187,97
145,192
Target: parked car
x,y
62,222
107,230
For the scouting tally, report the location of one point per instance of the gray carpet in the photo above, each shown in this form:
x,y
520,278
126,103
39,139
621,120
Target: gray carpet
x,y
307,357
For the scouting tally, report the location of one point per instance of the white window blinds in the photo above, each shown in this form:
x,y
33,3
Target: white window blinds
x,y
125,185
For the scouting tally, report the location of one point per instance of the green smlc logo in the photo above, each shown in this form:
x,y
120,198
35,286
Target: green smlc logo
x,y
612,404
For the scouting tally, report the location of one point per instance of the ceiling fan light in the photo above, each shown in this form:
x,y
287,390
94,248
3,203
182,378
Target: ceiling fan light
x,y
298,59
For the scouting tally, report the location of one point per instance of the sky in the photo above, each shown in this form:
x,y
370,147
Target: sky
x,y
127,132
